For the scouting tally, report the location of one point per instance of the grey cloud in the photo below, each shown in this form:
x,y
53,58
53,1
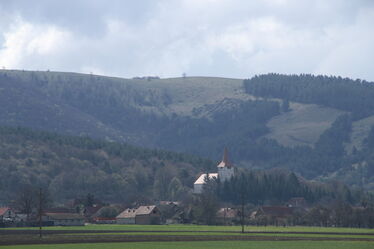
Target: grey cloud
x,y
81,16
200,37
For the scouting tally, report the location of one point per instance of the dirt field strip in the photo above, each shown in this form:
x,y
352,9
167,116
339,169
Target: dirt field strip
x,y
30,232
61,239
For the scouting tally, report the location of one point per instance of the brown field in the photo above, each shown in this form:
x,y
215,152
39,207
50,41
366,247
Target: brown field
x,y
28,237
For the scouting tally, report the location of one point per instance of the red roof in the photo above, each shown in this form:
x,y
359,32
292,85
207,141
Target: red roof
x,y
3,210
103,218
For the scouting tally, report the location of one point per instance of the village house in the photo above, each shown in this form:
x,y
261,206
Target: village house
x,y
127,216
144,215
90,213
225,169
227,216
7,215
171,212
63,219
272,215
147,215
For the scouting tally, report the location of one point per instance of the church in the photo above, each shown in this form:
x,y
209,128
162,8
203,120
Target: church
x,y
225,172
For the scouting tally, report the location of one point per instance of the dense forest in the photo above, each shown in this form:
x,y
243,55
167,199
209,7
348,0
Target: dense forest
x,y
356,96
70,167
259,188
73,167
120,110
137,112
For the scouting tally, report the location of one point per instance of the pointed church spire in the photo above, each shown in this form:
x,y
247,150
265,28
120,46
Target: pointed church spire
x,y
225,156
225,160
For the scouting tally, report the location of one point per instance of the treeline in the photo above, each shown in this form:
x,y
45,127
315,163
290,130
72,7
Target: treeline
x,y
125,151
261,188
74,166
70,167
339,214
324,204
356,96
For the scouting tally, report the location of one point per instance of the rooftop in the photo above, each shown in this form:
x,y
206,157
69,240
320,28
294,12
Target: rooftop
x,y
132,212
201,179
3,210
64,216
127,213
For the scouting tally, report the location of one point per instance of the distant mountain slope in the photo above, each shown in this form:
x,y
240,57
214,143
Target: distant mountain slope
x,y
115,108
189,93
147,112
302,125
360,131
201,115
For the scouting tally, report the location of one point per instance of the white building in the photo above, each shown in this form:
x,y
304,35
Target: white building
x,y
198,185
225,172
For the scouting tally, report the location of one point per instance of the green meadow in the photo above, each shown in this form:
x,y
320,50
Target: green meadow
x,y
199,228
187,236
209,244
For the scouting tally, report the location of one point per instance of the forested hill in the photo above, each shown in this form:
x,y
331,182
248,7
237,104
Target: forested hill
x,y
355,96
196,115
345,150
71,167
319,127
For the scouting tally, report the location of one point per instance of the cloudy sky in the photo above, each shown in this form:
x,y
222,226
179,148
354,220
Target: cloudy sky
x,y
229,38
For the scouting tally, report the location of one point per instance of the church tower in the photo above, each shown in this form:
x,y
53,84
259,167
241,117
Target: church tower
x,y
225,168
225,171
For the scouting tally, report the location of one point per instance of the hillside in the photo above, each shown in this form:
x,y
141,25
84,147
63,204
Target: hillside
x,y
122,109
72,167
302,125
311,125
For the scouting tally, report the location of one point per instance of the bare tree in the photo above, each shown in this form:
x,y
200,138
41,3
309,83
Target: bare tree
x,y
26,200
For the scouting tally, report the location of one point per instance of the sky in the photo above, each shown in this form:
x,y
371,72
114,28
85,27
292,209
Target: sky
x,y
166,38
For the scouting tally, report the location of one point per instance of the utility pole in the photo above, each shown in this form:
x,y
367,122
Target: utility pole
x,y
242,211
40,212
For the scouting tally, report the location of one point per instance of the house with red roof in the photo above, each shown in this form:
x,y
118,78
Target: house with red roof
x,y
7,215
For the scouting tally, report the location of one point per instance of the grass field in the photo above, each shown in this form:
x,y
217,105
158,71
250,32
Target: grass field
x,y
209,244
199,228
321,235
186,236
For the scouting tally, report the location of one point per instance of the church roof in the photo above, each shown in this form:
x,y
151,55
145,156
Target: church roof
x,y
225,160
201,179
